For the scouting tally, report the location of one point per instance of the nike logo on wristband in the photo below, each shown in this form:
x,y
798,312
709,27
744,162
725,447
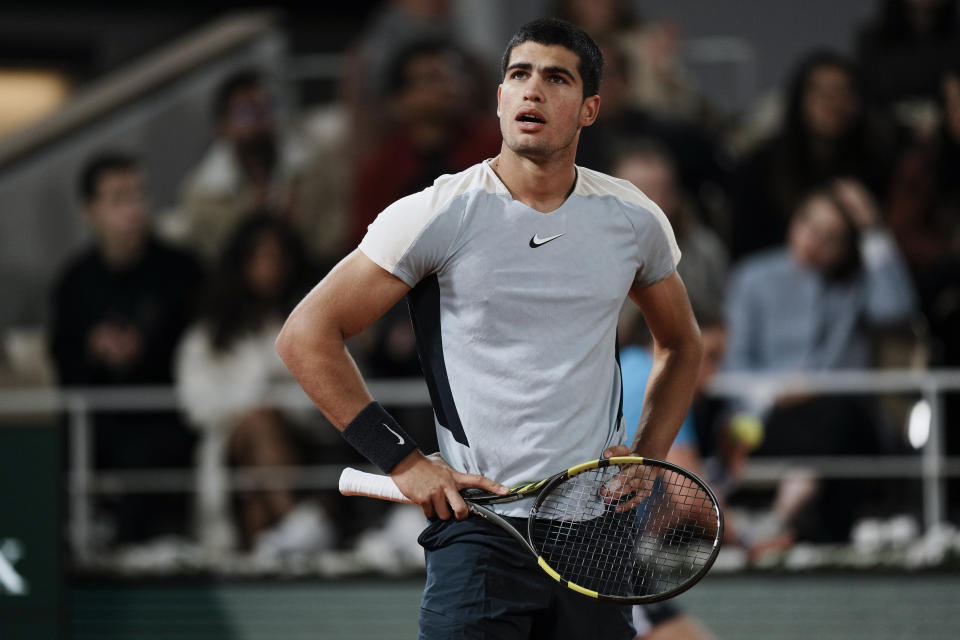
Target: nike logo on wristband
x,y
537,241
400,439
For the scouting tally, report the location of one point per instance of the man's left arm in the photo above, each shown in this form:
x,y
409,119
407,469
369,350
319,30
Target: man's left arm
x,y
676,362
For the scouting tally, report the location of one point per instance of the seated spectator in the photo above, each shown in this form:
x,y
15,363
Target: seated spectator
x,y
903,53
254,166
924,215
392,27
119,308
826,134
437,128
224,369
667,620
924,205
702,169
658,82
703,268
809,306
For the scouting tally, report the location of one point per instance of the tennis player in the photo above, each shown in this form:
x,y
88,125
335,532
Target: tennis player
x,y
515,271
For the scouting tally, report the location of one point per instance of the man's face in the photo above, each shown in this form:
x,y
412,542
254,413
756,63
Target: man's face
x,y
435,89
118,210
540,103
829,102
818,236
654,177
249,116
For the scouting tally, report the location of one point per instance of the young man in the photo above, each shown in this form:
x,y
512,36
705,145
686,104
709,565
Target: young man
x,y
516,270
120,307
252,165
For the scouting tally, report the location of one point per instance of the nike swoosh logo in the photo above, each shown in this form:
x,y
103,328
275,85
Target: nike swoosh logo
x,y
537,241
400,439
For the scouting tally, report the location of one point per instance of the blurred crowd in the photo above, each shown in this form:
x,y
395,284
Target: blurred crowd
x,y
828,241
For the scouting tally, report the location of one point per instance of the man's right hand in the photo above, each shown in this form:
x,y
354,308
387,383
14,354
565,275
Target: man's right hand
x,y
431,484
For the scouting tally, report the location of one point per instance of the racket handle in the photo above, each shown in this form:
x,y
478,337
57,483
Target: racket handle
x,y
354,482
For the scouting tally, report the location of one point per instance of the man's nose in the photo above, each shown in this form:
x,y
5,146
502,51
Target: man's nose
x,y
533,90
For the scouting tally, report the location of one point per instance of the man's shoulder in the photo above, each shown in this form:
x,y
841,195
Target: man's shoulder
x,y
79,265
621,197
594,183
477,178
450,188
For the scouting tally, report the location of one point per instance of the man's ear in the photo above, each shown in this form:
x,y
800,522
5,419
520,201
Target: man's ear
x,y
499,90
589,111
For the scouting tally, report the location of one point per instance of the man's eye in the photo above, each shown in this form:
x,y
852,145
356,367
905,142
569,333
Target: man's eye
x,y
558,79
516,75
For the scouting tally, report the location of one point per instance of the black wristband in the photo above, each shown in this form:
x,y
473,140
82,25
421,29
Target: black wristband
x,y
379,437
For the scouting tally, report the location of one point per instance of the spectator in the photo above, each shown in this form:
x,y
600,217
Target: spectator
x,y
436,128
826,134
666,620
658,82
808,307
903,53
924,214
120,307
254,166
225,367
395,27
924,204
702,168
703,268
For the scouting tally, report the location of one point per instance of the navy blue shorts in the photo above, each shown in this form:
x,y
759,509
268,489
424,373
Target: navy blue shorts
x,y
482,584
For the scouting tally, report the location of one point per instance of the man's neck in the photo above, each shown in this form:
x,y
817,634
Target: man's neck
x,y
123,254
541,185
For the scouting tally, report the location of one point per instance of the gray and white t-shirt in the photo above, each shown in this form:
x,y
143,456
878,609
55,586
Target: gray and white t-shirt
x,y
515,313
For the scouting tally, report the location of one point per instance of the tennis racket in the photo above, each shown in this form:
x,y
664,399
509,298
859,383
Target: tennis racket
x,y
625,529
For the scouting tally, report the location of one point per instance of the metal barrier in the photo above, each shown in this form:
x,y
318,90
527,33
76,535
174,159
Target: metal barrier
x,y
932,467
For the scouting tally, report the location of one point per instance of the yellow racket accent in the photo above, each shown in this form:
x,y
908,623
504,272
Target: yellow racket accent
x,y
543,565
593,464
580,468
579,589
556,576
528,487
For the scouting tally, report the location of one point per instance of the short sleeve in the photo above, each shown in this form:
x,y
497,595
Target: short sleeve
x,y
657,252
412,237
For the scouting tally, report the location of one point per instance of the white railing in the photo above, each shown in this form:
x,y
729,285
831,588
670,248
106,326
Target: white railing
x,y
931,466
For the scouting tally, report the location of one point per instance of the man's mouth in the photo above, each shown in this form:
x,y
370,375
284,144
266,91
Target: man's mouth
x,y
530,121
530,118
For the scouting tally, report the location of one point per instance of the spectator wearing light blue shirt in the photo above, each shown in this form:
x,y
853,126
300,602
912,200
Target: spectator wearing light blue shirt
x,y
810,306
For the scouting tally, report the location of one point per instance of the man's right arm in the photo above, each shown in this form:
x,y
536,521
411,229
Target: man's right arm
x,y
312,344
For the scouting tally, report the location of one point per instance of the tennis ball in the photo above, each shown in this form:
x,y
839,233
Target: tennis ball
x,y
747,428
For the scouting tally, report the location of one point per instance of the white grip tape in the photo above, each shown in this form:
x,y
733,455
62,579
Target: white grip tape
x,y
354,482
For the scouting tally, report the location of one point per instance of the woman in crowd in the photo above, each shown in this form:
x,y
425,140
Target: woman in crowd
x,y
225,366
826,134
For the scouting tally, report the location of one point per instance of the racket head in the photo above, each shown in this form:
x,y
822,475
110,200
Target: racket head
x,y
648,552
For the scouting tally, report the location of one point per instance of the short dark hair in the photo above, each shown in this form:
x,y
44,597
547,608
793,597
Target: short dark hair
x,y
550,31
242,80
101,164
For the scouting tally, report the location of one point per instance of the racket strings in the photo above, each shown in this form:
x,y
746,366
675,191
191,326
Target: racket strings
x,y
654,547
